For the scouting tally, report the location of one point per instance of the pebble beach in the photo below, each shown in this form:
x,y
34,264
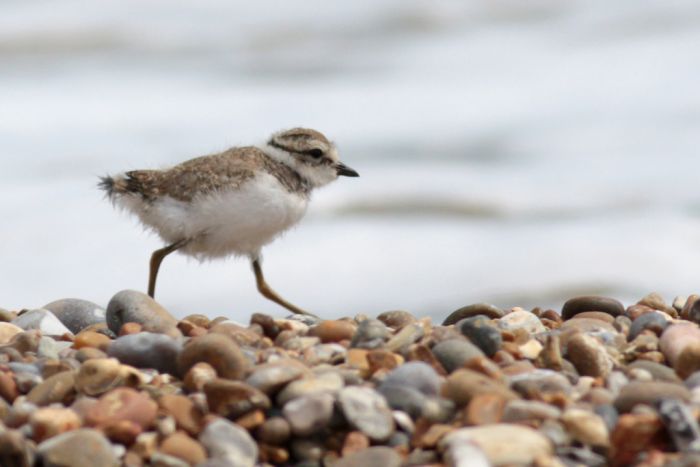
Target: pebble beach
x,y
596,383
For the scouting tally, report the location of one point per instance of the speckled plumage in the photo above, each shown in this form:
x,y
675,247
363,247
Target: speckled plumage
x,y
233,202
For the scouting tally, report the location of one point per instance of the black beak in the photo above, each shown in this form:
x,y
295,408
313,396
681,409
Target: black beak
x,y
344,170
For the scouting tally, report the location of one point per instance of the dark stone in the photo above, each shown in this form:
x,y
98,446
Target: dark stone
x,y
468,311
653,321
479,331
578,305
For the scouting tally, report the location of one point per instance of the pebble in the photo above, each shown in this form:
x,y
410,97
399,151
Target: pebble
x,y
518,410
654,321
371,457
187,415
333,330
122,405
502,444
454,353
370,334
271,377
99,375
367,410
79,448
275,430
41,320
329,382
49,422
183,447
521,319
130,306
77,314
416,375
589,356
648,393
578,305
229,443
147,350
680,344
57,388
233,399
307,415
8,331
464,384
486,309
481,333
396,319
217,350
586,427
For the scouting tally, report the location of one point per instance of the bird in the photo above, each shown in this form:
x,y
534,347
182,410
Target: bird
x,y
231,203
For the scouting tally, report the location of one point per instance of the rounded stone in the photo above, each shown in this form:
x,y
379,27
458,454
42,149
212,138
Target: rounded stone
x,y
417,375
49,422
521,319
187,416
589,356
57,388
600,315
502,443
310,414
481,333
275,431
147,350
91,339
396,319
77,314
367,410
217,350
8,331
454,353
130,306
464,384
578,305
119,405
370,334
468,311
586,427
41,320
333,330
378,456
648,393
99,375
228,442
330,382
680,344
523,411
406,399
658,371
199,375
94,449
183,447
654,321
234,399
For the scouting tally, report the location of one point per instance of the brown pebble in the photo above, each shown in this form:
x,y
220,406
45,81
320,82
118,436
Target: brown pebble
x,y
8,331
88,353
275,430
484,409
578,305
333,330
589,356
357,358
130,328
464,384
634,434
91,339
122,431
354,441
382,359
8,386
199,320
680,344
198,376
217,350
648,393
275,455
98,376
122,404
251,420
187,416
183,447
58,388
49,422
608,318
234,399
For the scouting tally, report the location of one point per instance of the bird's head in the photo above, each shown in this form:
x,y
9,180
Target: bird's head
x,y
310,153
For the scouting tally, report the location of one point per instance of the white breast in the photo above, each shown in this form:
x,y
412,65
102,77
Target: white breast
x,y
238,222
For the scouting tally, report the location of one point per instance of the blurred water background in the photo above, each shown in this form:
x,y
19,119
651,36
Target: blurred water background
x,y
512,152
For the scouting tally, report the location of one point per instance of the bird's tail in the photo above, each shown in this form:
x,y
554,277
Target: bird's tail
x,y
113,186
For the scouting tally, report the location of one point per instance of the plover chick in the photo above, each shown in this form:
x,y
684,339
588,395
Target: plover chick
x,y
230,203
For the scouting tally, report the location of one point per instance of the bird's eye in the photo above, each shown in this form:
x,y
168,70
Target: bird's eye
x,y
315,153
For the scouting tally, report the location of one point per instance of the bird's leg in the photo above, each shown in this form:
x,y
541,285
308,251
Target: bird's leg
x,y
270,294
157,258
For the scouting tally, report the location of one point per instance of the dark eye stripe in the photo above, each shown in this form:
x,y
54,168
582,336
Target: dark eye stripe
x,y
315,153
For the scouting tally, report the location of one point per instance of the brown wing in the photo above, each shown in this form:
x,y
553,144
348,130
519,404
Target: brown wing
x,y
201,175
